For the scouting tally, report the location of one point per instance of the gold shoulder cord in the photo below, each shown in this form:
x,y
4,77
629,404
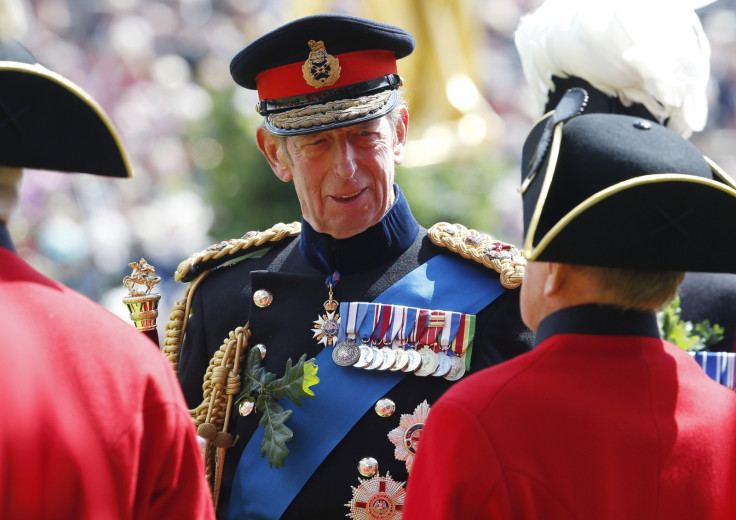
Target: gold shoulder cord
x,y
221,381
506,259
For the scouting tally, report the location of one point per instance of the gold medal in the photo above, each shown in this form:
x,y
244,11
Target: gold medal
x,y
378,498
429,362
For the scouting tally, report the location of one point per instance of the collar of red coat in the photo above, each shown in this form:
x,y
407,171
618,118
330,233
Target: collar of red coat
x,y
608,320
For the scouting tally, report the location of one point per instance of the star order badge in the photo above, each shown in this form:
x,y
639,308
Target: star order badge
x,y
327,326
377,498
406,436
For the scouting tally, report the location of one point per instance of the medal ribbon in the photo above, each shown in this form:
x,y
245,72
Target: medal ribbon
x,y
368,323
397,320
420,331
452,325
345,394
434,331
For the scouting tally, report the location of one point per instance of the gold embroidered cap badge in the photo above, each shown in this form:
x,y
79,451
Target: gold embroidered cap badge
x,y
320,69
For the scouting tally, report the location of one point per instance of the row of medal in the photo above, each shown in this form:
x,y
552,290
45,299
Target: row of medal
x,y
376,336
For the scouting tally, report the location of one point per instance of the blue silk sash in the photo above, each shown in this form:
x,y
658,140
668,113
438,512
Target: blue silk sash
x,y
345,393
718,365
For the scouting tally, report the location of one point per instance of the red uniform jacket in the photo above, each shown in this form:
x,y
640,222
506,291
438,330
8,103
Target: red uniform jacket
x,y
602,420
94,422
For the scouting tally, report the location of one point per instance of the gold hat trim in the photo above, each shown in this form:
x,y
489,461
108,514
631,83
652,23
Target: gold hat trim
x,y
331,112
548,174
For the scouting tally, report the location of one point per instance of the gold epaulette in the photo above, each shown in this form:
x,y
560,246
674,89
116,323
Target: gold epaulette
x,y
506,259
218,254
221,381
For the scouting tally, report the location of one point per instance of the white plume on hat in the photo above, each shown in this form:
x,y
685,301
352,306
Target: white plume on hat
x,y
652,52
13,23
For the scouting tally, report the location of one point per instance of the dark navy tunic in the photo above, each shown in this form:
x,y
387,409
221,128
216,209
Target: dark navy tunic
x,y
294,272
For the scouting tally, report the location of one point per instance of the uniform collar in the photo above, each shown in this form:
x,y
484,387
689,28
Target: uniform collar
x,y
376,245
608,320
5,240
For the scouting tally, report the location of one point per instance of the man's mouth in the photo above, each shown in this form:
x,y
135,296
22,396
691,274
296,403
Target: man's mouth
x,y
347,197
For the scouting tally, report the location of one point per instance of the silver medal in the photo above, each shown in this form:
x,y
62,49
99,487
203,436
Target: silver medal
x,y
402,358
443,366
346,353
366,356
377,360
457,370
415,360
389,358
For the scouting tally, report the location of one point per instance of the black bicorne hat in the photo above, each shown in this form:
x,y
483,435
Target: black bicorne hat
x,y
323,71
49,123
620,191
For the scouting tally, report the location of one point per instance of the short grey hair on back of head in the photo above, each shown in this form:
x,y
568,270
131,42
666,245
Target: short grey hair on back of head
x,y
9,191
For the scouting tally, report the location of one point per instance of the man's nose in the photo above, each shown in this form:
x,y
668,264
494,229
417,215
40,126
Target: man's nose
x,y
345,160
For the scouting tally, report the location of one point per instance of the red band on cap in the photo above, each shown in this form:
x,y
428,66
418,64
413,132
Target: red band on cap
x,y
355,67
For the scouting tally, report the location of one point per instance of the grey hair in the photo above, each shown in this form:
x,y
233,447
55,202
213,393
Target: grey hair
x,y
9,191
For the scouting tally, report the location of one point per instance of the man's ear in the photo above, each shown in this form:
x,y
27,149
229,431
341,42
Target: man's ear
x,y
273,150
556,277
402,127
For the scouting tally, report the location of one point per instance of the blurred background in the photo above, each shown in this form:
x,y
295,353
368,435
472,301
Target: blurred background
x,y
160,68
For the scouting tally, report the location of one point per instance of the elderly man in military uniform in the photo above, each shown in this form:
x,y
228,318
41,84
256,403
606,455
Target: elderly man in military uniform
x,y
336,333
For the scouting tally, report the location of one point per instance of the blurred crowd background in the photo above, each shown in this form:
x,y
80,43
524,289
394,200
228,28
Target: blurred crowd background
x,y
160,68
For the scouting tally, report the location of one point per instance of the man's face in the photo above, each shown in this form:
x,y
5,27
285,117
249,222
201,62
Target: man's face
x,y
344,177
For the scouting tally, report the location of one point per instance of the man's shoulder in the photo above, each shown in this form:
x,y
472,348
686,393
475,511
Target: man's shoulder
x,y
254,244
504,258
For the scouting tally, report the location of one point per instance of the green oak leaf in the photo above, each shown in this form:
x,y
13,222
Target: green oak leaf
x,y
683,333
276,433
255,377
296,381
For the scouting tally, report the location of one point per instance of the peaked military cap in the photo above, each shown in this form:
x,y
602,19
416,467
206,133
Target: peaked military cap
x,y
49,123
620,191
323,71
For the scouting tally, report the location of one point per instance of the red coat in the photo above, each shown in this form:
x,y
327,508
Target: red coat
x,y
587,425
94,422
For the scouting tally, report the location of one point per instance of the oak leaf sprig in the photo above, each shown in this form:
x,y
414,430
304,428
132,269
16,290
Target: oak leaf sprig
x,y
265,390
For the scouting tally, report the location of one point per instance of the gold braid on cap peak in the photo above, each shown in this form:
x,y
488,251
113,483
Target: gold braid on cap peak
x,y
221,252
506,259
330,112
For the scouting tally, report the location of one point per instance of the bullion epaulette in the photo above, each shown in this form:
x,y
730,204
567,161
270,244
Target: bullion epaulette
x,y
218,254
506,259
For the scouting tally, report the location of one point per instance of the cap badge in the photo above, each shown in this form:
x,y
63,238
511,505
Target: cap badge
x,y
320,69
